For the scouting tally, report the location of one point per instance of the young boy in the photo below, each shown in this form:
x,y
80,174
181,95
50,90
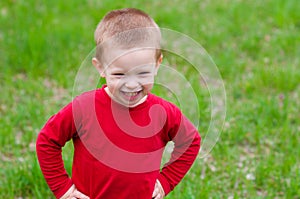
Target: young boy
x,y
120,130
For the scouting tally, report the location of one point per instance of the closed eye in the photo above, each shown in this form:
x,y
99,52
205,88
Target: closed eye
x,y
144,73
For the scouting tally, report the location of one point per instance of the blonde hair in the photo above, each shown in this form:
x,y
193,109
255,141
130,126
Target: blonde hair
x,y
127,28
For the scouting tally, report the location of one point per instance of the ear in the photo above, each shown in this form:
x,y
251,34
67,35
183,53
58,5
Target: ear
x,y
160,59
98,66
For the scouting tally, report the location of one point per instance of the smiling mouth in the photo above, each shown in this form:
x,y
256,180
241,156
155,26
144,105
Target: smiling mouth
x,y
131,94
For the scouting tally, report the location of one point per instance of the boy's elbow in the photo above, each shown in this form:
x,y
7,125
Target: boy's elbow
x,y
197,141
41,144
39,141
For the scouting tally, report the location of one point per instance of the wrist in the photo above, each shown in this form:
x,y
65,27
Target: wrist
x,y
68,193
161,187
164,183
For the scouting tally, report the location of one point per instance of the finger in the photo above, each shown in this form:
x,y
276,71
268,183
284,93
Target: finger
x,y
158,196
161,190
80,195
155,191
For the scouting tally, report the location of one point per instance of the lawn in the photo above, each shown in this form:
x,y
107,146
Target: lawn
x,y
254,44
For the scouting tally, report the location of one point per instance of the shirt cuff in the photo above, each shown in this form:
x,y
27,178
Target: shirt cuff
x,y
66,195
164,183
60,193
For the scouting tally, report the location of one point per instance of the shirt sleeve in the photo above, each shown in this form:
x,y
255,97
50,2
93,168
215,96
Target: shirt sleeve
x,y
186,147
59,129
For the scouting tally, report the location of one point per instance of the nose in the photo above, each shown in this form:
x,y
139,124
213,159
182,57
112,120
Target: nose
x,y
131,83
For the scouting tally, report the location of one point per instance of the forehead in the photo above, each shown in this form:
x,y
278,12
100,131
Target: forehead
x,y
130,59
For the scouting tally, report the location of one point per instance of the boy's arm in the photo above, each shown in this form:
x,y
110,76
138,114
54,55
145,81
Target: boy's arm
x,y
57,131
187,145
74,193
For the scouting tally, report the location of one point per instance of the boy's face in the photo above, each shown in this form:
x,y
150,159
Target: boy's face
x,y
130,76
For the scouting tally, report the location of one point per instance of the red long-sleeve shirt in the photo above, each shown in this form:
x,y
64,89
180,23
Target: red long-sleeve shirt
x,y
117,150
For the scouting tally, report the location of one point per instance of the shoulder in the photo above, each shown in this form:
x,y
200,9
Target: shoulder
x,y
169,107
87,97
85,102
87,94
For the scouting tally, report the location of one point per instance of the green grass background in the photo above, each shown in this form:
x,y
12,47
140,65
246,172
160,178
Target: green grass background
x,y
255,44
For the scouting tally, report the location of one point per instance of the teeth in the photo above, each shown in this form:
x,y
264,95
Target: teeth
x,y
130,94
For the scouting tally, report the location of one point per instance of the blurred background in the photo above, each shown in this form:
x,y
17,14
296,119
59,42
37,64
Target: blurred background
x,y
255,44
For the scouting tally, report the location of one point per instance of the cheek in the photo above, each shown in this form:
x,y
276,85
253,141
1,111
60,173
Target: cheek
x,y
147,81
111,85
148,86
112,82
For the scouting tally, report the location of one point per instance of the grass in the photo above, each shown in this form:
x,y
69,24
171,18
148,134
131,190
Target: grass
x,y
255,44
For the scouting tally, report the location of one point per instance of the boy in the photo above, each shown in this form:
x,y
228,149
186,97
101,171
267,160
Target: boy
x,y
120,130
